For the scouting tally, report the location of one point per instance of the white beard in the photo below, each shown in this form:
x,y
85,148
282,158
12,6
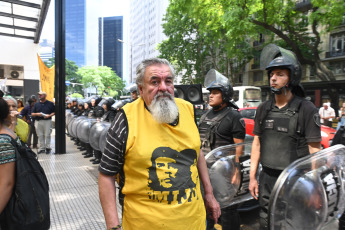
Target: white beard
x,y
164,109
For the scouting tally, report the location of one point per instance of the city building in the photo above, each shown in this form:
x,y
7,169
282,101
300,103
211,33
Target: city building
x,y
47,50
110,50
20,30
81,37
146,31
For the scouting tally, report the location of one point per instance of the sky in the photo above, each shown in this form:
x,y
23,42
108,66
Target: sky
x,y
109,8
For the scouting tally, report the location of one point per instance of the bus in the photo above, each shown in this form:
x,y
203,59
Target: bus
x,y
247,96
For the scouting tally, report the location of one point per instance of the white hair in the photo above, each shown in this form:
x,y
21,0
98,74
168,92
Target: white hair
x,y
9,98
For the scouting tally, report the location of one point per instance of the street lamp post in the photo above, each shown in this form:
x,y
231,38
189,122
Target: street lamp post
x,y
131,46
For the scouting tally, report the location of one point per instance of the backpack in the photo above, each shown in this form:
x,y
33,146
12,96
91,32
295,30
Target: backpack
x,y
28,207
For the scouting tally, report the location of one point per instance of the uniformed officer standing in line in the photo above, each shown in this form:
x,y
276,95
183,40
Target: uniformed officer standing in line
x,y
287,127
219,126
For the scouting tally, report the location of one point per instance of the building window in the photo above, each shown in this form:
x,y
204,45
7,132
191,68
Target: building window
x,y
337,67
338,44
257,76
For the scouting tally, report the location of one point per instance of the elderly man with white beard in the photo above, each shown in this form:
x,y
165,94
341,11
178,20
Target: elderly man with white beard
x,y
153,148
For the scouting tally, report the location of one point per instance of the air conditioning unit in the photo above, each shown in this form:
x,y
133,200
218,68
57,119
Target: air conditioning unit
x,y
13,72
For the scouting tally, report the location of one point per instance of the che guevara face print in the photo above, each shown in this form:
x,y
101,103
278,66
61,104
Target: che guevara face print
x,y
173,175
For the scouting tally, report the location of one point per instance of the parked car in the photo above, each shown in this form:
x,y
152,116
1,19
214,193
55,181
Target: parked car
x,y
327,133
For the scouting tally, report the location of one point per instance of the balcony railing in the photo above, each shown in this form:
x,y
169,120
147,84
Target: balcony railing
x,y
335,54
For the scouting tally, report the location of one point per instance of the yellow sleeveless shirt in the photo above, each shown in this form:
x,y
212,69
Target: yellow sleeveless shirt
x,y
162,189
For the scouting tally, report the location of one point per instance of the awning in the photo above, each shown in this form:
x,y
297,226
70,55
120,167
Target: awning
x,y
23,19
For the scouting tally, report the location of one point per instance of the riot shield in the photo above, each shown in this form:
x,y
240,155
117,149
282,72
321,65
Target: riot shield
x,y
95,133
309,193
73,125
103,136
230,177
83,129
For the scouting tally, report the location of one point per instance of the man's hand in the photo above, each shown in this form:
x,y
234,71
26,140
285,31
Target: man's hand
x,y
254,188
212,207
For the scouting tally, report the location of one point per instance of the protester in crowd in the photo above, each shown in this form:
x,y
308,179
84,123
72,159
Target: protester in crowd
x,y
21,127
26,114
341,118
20,105
287,127
154,148
42,112
8,121
327,114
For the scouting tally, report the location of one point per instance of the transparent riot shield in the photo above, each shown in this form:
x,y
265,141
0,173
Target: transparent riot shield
x,y
309,194
103,136
83,129
95,134
229,168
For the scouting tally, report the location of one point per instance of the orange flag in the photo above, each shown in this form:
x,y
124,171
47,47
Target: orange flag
x,y
47,77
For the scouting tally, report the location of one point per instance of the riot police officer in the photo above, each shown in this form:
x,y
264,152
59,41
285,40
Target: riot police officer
x,y
80,109
74,105
219,126
134,92
109,112
87,109
287,127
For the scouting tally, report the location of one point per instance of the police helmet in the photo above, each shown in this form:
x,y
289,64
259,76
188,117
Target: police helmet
x,y
215,80
109,102
281,58
81,102
133,87
226,89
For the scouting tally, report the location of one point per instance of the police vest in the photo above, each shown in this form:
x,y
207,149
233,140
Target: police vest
x,y
161,187
281,142
209,135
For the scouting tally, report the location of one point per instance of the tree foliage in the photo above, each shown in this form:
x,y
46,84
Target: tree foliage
x,y
197,43
103,78
298,28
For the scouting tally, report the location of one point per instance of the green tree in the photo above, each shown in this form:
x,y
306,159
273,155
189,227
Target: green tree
x,y
71,75
195,44
103,78
297,27
76,95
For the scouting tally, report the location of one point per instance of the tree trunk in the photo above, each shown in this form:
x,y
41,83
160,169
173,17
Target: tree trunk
x,y
322,72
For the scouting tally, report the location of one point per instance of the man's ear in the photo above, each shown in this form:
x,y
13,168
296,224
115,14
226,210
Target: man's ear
x,y
140,89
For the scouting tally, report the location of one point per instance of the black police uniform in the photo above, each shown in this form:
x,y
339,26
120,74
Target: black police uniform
x,y
218,128
284,135
108,116
339,138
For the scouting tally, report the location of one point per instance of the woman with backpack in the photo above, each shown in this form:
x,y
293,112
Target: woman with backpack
x,y
24,188
7,152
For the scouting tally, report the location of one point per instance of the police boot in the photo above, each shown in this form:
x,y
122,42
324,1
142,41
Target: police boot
x,y
98,156
89,154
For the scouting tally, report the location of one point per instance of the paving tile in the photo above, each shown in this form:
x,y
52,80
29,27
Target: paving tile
x,y
74,200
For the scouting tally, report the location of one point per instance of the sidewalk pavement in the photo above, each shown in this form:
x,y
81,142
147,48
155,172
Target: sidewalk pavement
x,y
73,183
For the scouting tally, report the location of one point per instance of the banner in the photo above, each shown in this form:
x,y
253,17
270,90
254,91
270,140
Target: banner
x,y
47,77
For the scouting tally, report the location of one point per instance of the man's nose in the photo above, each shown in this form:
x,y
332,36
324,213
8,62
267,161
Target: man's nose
x,y
162,86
